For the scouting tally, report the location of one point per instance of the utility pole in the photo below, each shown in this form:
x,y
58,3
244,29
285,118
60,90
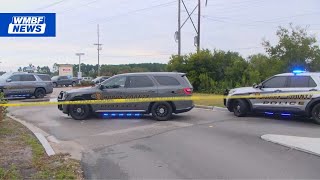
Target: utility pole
x,y
199,25
197,29
99,48
179,28
79,73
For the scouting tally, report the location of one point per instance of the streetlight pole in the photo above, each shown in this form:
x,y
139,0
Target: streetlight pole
x,y
79,73
199,26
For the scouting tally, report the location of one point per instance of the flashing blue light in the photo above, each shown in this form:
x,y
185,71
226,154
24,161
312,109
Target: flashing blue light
x,y
129,114
121,115
137,115
113,114
298,71
106,114
285,114
269,113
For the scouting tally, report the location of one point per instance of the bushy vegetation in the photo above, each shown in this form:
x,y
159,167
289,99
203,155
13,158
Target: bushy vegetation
x,y
3,110
215,71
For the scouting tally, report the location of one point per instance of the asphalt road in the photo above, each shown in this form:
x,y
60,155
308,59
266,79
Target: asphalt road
x,y
197,144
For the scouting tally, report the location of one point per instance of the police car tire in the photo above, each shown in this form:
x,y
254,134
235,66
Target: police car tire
x,y
243,108
162,111
84,115
315,113
54,84
39,93
74,84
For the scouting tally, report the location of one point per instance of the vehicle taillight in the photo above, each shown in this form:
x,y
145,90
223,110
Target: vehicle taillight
x,y
187,91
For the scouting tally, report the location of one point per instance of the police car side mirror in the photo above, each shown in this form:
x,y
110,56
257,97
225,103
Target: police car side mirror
x,y
8,80
254,85
101,87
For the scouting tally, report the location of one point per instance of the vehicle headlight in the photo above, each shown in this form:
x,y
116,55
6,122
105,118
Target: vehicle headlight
x,y
63,95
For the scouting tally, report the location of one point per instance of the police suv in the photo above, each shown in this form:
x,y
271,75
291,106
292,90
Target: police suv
x,y
130,86
26,85
287,94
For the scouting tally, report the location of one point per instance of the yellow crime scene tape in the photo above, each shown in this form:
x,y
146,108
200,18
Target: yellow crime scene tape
x,y
301,95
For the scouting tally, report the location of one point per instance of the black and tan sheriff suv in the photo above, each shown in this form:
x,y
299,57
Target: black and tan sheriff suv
x,y
131,86
288,94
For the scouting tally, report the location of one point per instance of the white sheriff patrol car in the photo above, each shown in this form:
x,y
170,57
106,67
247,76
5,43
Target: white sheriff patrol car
x,y
287,94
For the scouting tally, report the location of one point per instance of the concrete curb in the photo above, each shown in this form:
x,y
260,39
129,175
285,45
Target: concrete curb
x,y
36,100
210,107
304,144
39,133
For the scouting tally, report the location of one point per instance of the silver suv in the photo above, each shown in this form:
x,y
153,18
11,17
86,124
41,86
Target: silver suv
x,y
287,94
26,85
128,86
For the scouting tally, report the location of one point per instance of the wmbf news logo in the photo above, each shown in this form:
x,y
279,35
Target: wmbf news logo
x,y
27,24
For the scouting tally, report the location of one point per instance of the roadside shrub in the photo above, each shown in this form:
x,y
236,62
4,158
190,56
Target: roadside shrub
x,y
3,110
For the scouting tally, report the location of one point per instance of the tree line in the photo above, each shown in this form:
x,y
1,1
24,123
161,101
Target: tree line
x,y
214,71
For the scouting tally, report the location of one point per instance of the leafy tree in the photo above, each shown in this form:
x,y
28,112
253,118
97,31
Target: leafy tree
x,y
296,48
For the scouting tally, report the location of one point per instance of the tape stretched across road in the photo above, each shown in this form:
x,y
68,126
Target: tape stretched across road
x,y
293,96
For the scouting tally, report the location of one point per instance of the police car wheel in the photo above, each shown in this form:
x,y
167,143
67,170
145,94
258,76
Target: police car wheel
x,y
240,108
73,84
79,112
161,111
316,113
54,84
39,93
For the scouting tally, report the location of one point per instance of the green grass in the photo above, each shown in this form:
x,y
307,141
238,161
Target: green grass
x,y
14,140
209,100
11,173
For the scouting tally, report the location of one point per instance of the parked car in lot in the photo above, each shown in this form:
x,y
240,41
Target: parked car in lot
x,y
87,79
64,81
287,94
100,79
25,85
132,85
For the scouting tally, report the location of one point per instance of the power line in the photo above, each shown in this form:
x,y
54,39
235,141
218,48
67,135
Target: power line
x,y
256,23
50,5
135,11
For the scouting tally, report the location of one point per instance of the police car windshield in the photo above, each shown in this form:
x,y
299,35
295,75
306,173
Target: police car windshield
x,y
5,76
55,77
98,78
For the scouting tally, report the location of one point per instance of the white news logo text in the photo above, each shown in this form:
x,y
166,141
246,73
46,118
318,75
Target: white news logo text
x,y
27,25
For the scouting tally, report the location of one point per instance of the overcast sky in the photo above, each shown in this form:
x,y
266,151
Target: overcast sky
x,y
137,31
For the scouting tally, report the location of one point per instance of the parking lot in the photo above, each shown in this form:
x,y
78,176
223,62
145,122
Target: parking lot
x,y
198,144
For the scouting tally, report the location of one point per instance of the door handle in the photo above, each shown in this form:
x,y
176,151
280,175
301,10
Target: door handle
x,y
277,91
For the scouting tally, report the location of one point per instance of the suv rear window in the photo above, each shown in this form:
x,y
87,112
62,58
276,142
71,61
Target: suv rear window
x,y
167,80
44,77
139,81
301,81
